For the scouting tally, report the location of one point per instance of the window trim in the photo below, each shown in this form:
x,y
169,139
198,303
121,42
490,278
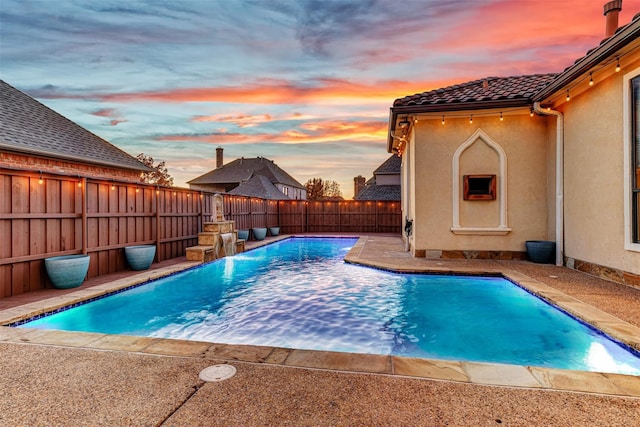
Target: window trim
x,y
629,244
470,195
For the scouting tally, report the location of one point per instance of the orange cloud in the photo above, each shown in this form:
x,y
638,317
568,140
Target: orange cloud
x,y
241,120
321,132
279,92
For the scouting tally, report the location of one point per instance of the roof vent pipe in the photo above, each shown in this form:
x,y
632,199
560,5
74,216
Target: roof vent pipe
x,y
611,11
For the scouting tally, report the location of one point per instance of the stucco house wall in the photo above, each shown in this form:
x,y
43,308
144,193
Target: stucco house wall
x,y
525,142
594,175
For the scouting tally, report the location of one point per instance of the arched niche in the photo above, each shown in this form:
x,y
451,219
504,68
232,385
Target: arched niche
x,y
502,227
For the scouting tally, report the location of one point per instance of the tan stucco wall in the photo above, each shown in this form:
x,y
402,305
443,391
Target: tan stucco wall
x,y
594,177
525,142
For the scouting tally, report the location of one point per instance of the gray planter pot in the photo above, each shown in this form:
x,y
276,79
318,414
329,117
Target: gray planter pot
x,y
67,271
259,233
243,234
541,251
274,231
140,257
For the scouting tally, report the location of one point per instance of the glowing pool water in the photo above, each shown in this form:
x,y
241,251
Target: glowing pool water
x,y
298,293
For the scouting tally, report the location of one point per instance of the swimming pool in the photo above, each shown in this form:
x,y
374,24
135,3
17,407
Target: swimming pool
x,y
298,293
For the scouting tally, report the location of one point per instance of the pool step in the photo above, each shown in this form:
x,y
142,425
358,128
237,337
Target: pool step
x,y
201,253
220,227
210,238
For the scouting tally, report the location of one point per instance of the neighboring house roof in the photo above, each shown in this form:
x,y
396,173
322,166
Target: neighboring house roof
x,y
484,93
241,170
391,166
379,192
610,49
373,191
29,127
259,186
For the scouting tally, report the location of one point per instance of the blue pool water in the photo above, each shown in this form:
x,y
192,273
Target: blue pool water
x,y
298,293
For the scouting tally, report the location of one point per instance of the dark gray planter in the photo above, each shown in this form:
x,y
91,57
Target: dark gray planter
x,y
67,271
541,251
140,257
274,231
243,235
259,233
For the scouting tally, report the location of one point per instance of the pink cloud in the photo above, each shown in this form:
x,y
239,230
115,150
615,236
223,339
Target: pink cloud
x,y
275,92
240,120
105,112
327,131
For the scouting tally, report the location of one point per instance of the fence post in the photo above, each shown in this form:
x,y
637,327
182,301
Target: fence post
x,y
157,236
83,184
375,210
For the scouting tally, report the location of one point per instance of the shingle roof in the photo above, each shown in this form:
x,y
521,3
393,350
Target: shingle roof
x,y
379,192
29,127
487,90
241,170
391,166
259,186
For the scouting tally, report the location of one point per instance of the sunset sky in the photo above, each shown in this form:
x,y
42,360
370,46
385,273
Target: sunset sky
x,y
306,83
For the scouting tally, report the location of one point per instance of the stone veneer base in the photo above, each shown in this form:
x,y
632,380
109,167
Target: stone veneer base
x,y
445,254
603,272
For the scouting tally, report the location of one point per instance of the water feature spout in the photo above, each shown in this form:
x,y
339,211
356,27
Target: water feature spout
x,y
228,243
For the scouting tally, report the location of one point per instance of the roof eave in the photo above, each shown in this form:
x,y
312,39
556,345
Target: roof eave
x,y
447,107
605,50
58,156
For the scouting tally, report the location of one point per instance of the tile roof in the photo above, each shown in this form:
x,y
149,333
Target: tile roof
x,y
379,192
488,90
259,186
29,127
241,170
391,166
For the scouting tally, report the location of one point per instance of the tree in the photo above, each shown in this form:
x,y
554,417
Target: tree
x,y
319,189
159,175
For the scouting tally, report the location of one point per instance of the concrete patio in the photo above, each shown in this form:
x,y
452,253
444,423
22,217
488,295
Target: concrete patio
x,y
66,378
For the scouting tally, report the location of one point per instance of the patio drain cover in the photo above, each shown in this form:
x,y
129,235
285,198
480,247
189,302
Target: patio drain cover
x,y
217,373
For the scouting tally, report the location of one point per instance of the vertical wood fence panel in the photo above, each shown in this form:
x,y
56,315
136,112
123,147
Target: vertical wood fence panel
x,y
100,218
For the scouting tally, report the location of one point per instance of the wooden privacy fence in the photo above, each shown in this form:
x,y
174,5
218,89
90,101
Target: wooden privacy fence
x,y
42,216
300,216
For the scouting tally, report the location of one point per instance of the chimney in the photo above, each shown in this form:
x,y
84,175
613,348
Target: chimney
x,y
358,184
611,11
219,157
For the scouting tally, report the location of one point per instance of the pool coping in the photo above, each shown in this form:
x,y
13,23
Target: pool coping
x,y
478,373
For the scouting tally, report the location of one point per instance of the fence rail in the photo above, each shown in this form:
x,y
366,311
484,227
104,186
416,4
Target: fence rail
x,y
42,216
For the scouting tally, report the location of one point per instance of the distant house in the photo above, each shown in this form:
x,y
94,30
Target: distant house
x,y
254,177
35,138
385,183
492,163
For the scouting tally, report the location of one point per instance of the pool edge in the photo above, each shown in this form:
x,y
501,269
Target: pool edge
x,y
467,372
